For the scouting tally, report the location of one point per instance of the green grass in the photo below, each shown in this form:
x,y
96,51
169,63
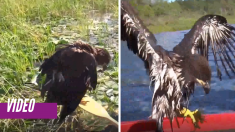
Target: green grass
x,y
30,30
184,21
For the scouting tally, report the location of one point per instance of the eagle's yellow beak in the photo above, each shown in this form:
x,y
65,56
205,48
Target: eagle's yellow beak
x,y
205,85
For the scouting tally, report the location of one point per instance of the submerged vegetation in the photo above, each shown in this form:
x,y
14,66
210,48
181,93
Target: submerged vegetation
x,y
30,31
161,16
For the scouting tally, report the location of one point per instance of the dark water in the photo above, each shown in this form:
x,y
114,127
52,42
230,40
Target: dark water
x,y
136,95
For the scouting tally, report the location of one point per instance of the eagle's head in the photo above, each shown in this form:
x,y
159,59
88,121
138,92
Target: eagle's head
x,y
197,70
102,56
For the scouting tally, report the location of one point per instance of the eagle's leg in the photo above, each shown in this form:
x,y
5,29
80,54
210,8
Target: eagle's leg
x,y
159,121
159,125
186,112
184,102
68,109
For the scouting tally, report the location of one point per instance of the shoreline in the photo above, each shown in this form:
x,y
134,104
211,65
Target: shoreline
x,y
169,23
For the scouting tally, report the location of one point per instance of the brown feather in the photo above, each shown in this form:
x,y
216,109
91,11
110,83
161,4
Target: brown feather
x,y
78,67
101,55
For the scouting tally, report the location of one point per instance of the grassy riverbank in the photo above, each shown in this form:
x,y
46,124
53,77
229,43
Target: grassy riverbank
x,y
162,16
30,30
176,23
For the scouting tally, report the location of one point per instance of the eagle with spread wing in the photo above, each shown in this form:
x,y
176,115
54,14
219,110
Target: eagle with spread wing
x,y
70,72
173,74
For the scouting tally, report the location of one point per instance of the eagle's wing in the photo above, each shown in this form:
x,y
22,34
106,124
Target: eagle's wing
x,y
141,41
68,62
52,63
79,44
214,31
92,71
52,68
80,61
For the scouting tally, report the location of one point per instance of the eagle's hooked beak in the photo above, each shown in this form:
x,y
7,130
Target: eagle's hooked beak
x,y
205,85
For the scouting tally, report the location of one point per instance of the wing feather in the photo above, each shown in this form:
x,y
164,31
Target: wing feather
x,y
214,31
167,91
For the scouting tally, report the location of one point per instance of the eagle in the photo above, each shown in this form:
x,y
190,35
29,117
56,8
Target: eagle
x,y
173,74
70,72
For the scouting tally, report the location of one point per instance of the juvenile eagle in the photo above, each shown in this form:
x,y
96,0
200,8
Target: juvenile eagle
x,y
173,74
71,71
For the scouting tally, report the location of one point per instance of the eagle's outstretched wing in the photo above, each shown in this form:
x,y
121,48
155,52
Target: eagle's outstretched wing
x,y
214,31
158,62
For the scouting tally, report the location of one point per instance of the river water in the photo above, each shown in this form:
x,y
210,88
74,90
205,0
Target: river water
x,y
136,95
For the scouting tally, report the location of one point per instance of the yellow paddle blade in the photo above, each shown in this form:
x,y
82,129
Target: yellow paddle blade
x,y
91,106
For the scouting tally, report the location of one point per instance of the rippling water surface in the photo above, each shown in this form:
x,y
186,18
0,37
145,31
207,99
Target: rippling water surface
x,y
136,95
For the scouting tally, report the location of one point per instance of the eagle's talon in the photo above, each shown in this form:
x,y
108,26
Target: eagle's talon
x,y
186,112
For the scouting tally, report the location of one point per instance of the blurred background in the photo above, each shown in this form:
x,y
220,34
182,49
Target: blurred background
x,y
174,15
